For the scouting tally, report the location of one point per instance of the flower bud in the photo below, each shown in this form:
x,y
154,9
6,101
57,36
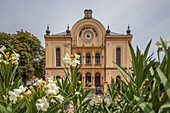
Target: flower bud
x,y
28,93
146,79
31,88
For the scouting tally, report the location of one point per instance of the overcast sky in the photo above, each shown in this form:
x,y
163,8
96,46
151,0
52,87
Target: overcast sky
x,y
148,19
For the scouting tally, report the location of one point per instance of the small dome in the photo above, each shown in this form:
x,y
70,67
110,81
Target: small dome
x,y
128,30
68,31
108,30
47,31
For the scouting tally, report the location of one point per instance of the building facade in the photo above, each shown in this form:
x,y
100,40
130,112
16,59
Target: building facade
x,y
97,46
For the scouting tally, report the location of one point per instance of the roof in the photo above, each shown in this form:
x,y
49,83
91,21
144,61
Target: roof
x,y
62,33
115,34
111,33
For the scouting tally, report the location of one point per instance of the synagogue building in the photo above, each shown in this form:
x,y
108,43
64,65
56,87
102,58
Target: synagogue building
x,y
97,46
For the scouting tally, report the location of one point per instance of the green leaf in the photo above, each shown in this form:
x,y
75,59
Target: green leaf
x,y
144,106
56,107
124,73
18,105
13,74
147,49
167,105
23,110
84,103
164,81
3,109
108,111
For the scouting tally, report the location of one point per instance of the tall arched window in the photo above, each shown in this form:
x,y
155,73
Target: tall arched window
x,y
58,57
97,79
88,78
79,58
88,58
118,56
117,81
97,58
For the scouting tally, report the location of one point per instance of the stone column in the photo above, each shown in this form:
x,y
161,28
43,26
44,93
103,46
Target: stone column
x,y
93,79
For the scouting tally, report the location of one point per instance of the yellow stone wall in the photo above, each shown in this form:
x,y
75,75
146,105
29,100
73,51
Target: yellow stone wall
x,y
100,43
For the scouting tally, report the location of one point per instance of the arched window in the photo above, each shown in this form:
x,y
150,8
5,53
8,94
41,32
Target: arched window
x,y
88,78
58,57
117,81
118,56
97,79
97,58
58,77
88,58
79,58
80,77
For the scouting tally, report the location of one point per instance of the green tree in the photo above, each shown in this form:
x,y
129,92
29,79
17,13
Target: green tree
x,y
32,54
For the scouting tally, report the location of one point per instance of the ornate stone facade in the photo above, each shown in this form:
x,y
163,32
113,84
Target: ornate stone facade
x,y
97,46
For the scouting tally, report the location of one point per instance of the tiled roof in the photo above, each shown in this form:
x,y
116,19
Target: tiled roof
x,y
111,33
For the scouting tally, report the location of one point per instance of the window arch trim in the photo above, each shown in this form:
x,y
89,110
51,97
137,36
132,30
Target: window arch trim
x,y
88,58
58,57
118,55
97,58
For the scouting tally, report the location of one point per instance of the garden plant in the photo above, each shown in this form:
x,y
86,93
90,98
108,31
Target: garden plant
x,y
145,88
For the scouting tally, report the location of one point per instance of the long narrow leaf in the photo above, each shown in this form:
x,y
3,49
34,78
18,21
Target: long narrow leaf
x,y
144,106
164,81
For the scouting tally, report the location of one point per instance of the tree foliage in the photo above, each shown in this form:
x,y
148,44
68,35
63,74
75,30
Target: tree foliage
x,y
32,54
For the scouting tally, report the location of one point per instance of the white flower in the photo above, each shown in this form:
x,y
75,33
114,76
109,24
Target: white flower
x,y
71,60
75,62
22,88
160,44
51,80
39,82
59,98
67,59
16,54
15,58
0,56
168,40
42,104
77,56
2,49
18,91
15,62
6,62
13,96
98,96
4,97
77,93
52,89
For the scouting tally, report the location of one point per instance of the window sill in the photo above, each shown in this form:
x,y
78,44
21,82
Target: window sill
x,y
98,65
88,64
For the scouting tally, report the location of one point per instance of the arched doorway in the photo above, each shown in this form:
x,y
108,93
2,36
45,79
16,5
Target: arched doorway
x,y
88,78
117,81
97,79
58,77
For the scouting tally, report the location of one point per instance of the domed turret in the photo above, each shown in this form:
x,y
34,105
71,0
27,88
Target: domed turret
x,y
108,30
128,30
47,31
68,31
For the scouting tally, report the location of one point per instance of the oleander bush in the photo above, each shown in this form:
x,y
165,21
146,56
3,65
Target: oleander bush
x,y
144,89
